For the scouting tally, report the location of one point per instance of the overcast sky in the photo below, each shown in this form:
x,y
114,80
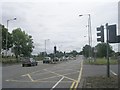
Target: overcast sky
x,y
59,21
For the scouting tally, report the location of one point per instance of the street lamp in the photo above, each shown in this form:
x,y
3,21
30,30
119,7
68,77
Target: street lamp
x,y
45,45
89,33
7,32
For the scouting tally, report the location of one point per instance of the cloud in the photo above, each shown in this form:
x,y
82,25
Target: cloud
x,y
59,21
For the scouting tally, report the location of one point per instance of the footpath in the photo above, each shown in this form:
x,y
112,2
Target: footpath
x,y
94,76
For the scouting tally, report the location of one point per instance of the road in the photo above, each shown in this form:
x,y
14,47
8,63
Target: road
x,y
65,74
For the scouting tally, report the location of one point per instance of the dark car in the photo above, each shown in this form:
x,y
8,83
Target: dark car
x,y
29,62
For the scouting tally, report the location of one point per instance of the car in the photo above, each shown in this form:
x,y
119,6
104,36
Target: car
x,y
47,60
56,59
29,62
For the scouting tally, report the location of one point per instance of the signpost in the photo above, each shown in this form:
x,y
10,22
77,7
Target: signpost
x,y
111,38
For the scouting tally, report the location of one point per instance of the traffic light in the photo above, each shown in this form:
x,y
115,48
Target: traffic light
x,y
118,39
112,34
55,49
100,34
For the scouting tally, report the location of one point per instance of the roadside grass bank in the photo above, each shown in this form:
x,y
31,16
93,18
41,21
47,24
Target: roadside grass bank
x,y
100,61
13,60
10,60
100,82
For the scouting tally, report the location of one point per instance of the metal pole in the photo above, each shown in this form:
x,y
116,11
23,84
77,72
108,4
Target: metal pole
x,y
7,33
45,48
7,37
108,64
90,35
89,27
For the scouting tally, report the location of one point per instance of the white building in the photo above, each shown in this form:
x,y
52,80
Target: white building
x,y
9,52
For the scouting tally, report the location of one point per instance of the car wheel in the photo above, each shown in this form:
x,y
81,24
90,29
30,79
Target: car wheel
x,y
22,65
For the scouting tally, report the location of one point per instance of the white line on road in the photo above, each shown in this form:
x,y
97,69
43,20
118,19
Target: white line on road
x,y
113,73
57,83
30,77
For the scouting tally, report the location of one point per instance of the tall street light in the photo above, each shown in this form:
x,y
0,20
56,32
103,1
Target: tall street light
x,y
89,33
7,32
45,45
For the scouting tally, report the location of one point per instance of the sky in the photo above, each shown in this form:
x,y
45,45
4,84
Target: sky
x,y
57,21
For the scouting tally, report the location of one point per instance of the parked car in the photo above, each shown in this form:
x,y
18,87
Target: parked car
x,y
47,60
29,62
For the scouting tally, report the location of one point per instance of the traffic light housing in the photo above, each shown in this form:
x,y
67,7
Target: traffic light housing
x,y
112,34
55,49
100,33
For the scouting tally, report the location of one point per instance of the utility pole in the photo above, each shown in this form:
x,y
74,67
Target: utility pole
x,y
108,63
89,35
7,37
45,47
7,33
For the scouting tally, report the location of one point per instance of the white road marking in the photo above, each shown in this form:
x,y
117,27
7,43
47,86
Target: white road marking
x,y
60,75
113,73
30,77
57,83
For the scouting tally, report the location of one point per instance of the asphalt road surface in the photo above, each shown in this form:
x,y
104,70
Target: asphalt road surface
x,y
65,74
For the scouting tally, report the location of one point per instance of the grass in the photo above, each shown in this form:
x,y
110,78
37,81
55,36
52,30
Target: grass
x,y
9,60
100,61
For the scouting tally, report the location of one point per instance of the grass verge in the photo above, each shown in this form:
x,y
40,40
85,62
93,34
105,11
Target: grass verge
x,y
10,60
100,61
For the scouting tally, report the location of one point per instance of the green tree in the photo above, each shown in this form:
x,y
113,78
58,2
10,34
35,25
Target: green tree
x,y
23,43
102,50
73,53
86,49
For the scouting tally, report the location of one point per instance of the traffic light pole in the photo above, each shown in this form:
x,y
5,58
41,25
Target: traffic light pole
x,y
108,64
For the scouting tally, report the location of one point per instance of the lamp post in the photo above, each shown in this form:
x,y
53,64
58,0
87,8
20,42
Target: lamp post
x,y
45,45
7,32
89,33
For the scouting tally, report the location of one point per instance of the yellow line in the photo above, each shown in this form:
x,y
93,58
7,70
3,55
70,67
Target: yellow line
x,y
75,85
72,85
30,77
79,77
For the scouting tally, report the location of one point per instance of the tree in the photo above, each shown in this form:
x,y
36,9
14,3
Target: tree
x,y
73,53
102,50
23,43
86,49
9,39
